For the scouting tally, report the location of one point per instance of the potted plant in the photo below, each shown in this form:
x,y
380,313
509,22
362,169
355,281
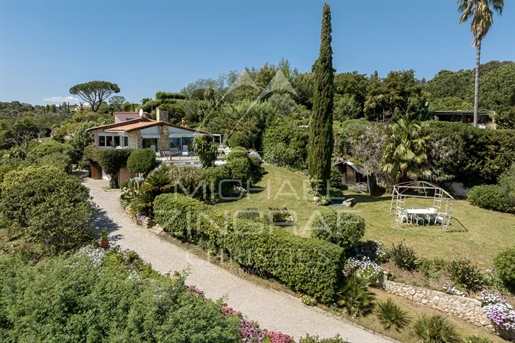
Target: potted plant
x,y
104,243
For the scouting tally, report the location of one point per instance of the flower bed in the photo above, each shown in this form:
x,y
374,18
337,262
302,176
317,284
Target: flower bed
x,y
500,313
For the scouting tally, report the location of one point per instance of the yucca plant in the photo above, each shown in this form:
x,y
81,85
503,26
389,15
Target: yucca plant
x,y
355,297
391,315
435,329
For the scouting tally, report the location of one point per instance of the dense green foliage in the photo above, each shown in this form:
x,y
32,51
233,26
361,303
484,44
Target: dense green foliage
x,y
459,152
111,161
405,150
320,150
206,149
340,228
505,266
48,206
391,315
507,184
285,144
355,297
465,273
435,329
490,197
142,161
403,256
105,297
307,265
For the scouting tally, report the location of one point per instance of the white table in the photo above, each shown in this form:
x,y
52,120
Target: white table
x,y
421,213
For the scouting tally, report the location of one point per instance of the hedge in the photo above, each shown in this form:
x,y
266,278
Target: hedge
x,y
343,229
307,265
490,197
111,160
142,161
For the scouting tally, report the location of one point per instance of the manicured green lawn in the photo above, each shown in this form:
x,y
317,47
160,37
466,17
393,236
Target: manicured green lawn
x,y
475,233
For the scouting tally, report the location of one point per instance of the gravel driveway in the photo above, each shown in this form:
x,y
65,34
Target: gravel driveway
x,y
273,310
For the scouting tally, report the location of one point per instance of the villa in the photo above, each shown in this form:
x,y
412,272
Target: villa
x,y
136,130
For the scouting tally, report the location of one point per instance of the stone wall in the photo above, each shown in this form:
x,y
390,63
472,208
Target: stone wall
x,y
462,307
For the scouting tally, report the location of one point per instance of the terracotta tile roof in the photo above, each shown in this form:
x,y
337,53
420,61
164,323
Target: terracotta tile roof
x,y
131,126
123,112
109,126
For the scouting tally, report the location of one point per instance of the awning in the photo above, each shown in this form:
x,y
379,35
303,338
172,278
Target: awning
x,y
150,136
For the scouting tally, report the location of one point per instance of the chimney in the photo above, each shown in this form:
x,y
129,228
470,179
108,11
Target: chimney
x,y
161,115
183,123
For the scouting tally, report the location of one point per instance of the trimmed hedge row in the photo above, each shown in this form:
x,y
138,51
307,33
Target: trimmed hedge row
x,y
307,265
111,160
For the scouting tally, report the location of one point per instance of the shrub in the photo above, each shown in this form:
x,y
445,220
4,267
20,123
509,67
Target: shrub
x,y
111,161
179,215
364,269
213,177
336,178
206,149
372,249
189,181
505,266
237,152
355,297
285,144
57,160
50,148
142,161
403,256
240,139
507,184
435,329
391,315
310,266
316,339
158,182
49,205
338,227
465,274
104,297
490,197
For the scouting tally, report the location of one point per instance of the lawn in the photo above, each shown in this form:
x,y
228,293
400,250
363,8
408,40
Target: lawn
x,y
475,233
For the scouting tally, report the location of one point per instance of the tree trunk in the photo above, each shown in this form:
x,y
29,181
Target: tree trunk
x,y
476,86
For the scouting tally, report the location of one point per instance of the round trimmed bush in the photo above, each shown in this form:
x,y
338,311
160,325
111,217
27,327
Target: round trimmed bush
x,y
490,197
343,229
142,161
505,265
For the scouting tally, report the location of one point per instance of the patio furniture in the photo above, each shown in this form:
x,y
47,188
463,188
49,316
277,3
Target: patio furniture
x,y
418,215
403,215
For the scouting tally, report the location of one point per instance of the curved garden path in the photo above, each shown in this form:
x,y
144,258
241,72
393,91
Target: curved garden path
x,y
273,310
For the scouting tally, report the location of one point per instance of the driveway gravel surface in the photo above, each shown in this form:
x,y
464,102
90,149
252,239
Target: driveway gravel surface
x,y
273,310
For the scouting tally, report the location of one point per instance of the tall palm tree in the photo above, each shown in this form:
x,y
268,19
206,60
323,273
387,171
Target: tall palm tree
x,y
405,150
482,19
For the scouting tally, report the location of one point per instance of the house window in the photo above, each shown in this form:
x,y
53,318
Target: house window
x,y
125,141
175,143
101,141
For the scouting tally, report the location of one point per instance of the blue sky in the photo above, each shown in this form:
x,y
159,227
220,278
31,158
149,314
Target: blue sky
x,y
146,46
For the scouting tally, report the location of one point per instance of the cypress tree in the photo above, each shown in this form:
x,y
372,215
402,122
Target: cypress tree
x,y
321,124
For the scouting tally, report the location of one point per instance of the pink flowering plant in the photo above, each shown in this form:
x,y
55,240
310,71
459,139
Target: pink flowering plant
x,y
252,333
499,312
